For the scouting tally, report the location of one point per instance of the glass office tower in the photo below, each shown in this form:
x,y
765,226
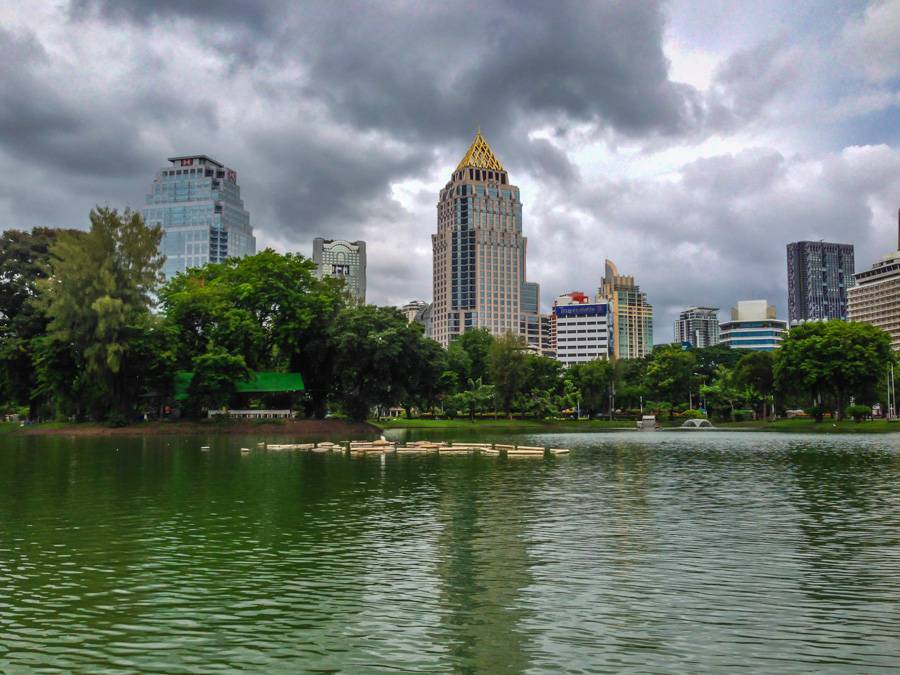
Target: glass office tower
x,y
197,202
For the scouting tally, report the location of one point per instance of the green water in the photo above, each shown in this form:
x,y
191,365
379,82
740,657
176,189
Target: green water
x,y
658,552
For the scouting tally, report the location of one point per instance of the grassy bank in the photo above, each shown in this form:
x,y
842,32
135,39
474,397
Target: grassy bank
x,y
311,429
526,425
505,424
809,426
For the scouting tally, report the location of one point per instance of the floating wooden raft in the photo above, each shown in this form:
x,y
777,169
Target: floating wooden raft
x,y
527,450
559,451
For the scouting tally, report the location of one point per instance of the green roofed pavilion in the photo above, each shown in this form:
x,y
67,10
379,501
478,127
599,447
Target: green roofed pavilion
x,y
260,383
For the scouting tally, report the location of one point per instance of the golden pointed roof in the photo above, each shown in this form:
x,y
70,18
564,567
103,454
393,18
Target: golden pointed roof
x,y
480,156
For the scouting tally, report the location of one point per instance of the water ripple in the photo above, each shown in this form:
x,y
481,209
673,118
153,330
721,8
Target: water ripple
x,y
643,553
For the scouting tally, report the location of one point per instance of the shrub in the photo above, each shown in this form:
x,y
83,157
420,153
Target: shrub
x,y
816,411
116,419
692,414
858,412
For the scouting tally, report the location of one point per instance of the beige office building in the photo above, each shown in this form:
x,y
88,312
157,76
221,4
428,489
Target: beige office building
x,y
875,299
479,250
632,316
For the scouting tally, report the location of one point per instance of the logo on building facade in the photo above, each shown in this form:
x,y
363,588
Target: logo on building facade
x,y
581,310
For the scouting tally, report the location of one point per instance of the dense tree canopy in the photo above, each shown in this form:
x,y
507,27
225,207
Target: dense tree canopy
x,y
97,300
80,335
832,359
24,260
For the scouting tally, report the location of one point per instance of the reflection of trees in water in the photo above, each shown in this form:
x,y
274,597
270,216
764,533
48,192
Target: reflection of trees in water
x,y
850,510
483,565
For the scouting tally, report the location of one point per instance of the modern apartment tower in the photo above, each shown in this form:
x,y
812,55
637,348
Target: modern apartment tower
x,y
197,202
632,316
698,327
875,297
479,250
754,325
342,260
818,274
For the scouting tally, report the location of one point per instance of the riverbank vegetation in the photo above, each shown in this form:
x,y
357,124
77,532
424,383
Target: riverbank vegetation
x,y
89,331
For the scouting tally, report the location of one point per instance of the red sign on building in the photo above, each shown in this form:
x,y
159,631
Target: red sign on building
x,y
232,176
187,162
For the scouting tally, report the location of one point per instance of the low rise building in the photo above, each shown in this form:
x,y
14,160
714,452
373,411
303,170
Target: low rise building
x,y
580,329
754,326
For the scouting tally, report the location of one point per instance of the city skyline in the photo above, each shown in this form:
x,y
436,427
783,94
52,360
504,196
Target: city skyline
x,y
701,133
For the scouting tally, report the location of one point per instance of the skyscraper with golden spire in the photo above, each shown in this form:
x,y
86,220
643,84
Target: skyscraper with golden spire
x,y
479,250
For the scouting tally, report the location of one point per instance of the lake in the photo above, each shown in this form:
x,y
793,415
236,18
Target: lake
x,y
642,552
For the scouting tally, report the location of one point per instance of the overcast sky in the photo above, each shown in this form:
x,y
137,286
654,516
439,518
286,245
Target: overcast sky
x,y
688,141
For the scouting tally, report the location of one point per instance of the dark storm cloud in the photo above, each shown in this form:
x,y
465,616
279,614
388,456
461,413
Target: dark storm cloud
x,y
322,186
425,75
43,125
341,117
251,13
432,71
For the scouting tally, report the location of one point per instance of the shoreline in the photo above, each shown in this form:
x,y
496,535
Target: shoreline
x,y
343,429
312,429
786,426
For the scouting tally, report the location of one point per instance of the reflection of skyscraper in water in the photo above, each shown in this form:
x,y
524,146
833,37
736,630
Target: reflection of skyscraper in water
x,y
484,566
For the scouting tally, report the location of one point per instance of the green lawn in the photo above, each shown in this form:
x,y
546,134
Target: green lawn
x,y
504,424
6,427
788,426
807,425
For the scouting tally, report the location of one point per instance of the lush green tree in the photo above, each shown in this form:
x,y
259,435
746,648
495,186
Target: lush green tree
x,y
215,378
270,308
628,380
538,403
477,398
710,358
756,371
425,381
858,412
477,345
723,394
24,260
459,365
96,299
836,358
374,348
545,374
508,367
669,374
592,380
